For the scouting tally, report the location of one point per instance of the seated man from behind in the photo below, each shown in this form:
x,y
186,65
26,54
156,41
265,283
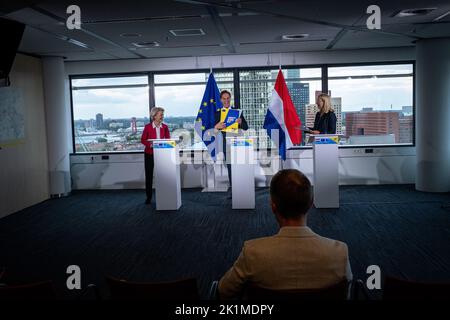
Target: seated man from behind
x,y
296,257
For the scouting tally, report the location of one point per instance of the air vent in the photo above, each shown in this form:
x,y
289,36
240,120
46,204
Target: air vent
x,y
413,12
146,44
187,32
294,36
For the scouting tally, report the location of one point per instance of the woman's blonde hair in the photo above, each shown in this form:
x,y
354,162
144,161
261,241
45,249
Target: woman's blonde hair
x,y
155,111
326,103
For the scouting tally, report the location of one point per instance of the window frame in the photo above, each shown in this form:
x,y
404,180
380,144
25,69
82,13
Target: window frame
x,y
396,145
236,83
102,75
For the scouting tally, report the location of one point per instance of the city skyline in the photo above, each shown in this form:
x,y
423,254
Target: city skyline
x,y
121,112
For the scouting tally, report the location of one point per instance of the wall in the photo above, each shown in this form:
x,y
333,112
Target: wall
x,y
24,165
384,166
126,171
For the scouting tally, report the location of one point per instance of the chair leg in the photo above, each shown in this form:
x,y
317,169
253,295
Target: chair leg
x,y
359,287
213,291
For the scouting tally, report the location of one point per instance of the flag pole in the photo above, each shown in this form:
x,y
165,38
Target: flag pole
x,y
279,68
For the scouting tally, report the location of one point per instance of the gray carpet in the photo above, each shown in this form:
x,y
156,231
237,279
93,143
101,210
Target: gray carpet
x,y
405,232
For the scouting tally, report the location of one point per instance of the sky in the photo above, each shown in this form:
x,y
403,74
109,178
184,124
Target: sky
x,y
378,93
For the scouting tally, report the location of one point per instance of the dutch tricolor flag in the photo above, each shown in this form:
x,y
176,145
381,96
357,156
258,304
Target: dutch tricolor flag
x,y
282,116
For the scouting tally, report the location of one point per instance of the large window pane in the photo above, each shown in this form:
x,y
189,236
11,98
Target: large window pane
x,y
180,95
104,82
374,102
393,69
256,89
112,118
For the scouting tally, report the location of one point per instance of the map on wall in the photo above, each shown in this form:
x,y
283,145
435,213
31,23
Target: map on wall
x,y
12,123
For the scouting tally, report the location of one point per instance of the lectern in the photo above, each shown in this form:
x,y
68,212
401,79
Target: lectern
x,y
242,161
167,174
326,170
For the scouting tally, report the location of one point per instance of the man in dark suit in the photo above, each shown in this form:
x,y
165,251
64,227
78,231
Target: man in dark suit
x,y
225,98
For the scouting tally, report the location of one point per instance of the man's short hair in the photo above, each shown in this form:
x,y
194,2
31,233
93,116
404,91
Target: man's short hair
x,y
291,192
223,92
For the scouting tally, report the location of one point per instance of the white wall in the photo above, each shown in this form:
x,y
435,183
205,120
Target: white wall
x,y
126,171
23,165
384,166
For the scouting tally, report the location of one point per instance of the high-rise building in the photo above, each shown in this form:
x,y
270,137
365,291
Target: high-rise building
x,y
310,114
406,129
336,105
292,73
299,93
300,97
133,125
256,90
99,120
224,81
362,123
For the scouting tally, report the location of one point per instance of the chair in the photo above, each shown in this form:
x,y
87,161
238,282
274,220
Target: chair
x,y
359,290
182,290
397,289
337,291
36,291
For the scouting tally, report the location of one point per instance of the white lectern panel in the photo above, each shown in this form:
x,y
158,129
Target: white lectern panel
x,y
326,174
167,174
242,172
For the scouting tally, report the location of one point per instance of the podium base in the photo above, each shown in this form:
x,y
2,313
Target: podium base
x,y
215,189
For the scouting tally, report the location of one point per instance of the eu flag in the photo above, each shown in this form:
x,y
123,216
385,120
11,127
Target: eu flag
x,y
205,118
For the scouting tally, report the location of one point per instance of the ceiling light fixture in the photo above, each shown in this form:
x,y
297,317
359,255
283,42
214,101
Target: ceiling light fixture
x,y
294,36
146,44
413,12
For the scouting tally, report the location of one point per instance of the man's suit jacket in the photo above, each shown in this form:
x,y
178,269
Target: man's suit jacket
x,y
223,135
295,258
243,125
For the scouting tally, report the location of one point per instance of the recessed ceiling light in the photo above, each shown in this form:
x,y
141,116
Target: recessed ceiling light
x,y
187,32
294,36
130,35
146,44
413,12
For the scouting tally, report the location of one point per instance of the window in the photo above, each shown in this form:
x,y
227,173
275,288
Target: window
x,y
373,103
109,114
256,89
180,95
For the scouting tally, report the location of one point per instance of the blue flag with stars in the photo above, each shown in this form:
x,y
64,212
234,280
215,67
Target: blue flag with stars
x,y
205,118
